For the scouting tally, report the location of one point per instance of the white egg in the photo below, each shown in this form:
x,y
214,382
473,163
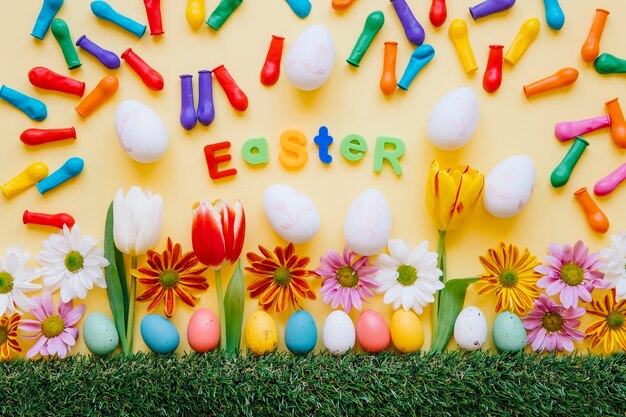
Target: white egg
x,y
509,186
141,132
291,213
470,329
338,333
454,119
311,58
367,226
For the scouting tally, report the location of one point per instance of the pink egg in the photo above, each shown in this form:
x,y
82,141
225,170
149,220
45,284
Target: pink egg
x,y
203,331
372,332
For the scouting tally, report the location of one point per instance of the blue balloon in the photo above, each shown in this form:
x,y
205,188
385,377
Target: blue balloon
x,y
104,11
301,8
554,14
71,168
419,58
32,107
49,9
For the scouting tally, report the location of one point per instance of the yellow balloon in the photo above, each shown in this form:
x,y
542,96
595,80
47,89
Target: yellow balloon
x,y
407,333
460,39
27,178
261,333
195,13
526,35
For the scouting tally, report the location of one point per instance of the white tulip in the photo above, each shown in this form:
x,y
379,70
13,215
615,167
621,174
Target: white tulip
x,y
137,221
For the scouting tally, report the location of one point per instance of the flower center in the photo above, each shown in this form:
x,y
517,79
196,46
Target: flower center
x,y
169,278
282,276
4,335
52,326
74,261
508,278
347,277
572,274
407,275
552,322
614,320
6,282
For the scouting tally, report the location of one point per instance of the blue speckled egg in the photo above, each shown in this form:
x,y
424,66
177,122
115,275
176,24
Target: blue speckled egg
x,y
509,334
300,333
159,334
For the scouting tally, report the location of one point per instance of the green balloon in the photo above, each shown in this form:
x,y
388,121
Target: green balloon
x,y
222,12
563,171
62,34
373,23
609,64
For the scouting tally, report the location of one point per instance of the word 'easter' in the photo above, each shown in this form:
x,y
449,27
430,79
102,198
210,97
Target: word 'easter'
x,y
294,154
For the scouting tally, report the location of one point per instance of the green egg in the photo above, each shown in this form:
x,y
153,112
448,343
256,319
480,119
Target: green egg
x,y
509,334
100,334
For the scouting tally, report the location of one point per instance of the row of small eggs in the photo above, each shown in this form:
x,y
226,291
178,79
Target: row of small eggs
x,y
339,334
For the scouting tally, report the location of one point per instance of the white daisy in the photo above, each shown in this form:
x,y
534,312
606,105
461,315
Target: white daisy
x,y
72,263
16,279
615,269
408,277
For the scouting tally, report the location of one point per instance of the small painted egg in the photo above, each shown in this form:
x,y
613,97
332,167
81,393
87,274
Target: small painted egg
x,y
300,333
291,213
261,333
372,332
470,329
454,119
338,333
310,59
367,226
203,331
140,131
100,334
159,334
407,333
509,186
509,334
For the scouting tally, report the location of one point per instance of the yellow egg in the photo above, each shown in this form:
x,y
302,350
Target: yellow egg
x,y
407,333
261,333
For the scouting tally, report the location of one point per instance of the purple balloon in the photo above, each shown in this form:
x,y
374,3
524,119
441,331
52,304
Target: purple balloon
x,y
412,28
107,58
206,109
188,117
488,7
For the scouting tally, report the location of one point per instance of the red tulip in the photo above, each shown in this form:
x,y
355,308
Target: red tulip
x,y
217,233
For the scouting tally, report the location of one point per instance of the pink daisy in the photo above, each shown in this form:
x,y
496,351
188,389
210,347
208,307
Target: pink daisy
x,y
347,279
572,273
551,326
56,332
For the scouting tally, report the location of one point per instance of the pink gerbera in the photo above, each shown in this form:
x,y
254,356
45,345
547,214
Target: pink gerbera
x,y
347,279
551,326
56,332
571,272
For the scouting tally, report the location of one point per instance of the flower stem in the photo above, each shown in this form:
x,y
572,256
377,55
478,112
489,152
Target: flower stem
x,y
441,264
220,303
130,326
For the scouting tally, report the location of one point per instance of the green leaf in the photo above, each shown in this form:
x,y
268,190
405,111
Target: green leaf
x,y
121,273
451,300
233,309
118,300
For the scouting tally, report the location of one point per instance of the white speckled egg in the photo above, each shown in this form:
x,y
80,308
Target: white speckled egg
x,y
509,185
311,58
140,131
338,333
367,226
470,329
291,213
454,119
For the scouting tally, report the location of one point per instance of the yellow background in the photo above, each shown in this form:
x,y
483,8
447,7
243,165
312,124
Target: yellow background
x,y
350,102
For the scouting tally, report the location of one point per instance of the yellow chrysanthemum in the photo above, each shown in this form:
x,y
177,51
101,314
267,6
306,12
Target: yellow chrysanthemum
x,y
610,325
511,276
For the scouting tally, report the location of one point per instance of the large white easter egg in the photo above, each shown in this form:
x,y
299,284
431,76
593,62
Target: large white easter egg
x,y
141,132
311,58
454,119
470,329
367,226
338,333
509,185
291,213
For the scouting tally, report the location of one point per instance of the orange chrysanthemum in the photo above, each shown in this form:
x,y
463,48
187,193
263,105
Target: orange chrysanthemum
x,y
8,336
610,325
169,275
511,276
282,277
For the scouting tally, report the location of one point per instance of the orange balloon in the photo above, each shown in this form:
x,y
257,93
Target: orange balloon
x,y
561,78
105,89
591,47
388,79
618,124
341,4
595,217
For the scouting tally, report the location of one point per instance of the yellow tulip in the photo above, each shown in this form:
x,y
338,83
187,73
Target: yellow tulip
x,y
452,194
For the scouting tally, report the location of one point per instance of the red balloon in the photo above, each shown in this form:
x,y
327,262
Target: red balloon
x,y
153,10
438,12
493,73
44,78
150,77
271,69
236,96
40,136
53,220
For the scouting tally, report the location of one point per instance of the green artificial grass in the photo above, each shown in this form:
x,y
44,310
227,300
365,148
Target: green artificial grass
x,y
446,384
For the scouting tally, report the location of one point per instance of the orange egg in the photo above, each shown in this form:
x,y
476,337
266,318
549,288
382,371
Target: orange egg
x,y
203,331
372,332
